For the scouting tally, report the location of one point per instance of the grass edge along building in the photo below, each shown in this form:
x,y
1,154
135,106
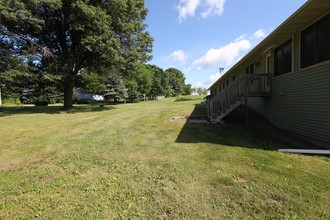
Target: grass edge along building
x,y
285,78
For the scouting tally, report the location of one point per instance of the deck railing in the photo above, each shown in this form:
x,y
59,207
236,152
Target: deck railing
x,y
244,86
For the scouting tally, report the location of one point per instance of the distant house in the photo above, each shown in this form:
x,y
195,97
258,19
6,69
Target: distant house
x,y
285,78
84,96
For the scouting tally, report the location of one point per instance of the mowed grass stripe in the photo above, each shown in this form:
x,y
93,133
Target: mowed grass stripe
x,y
130,161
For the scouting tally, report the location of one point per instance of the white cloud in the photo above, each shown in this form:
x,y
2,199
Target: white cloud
x,y
223,56
259,34
226,56
198,84
188,8
178,55
242,37
212,79
188,69
175,59
213,7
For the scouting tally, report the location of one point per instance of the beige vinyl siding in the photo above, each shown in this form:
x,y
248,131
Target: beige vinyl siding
x,y
300,102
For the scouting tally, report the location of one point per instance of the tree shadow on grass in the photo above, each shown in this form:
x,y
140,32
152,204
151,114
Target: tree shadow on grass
x,y
234,134
53,109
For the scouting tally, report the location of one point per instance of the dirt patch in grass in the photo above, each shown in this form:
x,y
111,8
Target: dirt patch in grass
x,y
178,118
273,201
11,165
5,167
240,180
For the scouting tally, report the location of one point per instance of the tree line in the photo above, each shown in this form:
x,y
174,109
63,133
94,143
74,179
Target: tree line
x,y
48,48
148,81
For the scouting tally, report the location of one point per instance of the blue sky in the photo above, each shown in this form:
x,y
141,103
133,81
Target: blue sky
x,y
199,36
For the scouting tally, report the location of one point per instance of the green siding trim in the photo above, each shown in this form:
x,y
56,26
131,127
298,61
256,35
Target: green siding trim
x,y
300,103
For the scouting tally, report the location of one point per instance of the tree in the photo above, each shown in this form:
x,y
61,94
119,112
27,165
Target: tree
x,y
115,86
176,81
133,93
143,79
199,91
64,37
156,87
187,90
93,82
165,83
13,73
205,91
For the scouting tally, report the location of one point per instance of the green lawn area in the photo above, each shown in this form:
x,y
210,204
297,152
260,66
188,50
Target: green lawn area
x,y
130,162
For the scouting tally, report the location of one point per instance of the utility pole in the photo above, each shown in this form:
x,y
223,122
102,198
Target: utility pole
x,y
221,69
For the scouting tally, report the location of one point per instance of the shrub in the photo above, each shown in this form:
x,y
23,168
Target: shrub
x,y
12,101
41,101
83,101
182,99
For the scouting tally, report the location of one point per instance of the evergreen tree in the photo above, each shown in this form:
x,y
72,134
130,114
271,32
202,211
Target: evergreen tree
x,y
115,86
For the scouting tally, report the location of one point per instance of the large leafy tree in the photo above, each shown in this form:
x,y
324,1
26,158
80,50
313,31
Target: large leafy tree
x,y
64,37
187,89
176,81
156,88
92,82
144,79
165,82
133,93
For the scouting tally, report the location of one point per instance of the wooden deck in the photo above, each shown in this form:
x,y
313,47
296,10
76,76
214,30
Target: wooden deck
x,y
247,85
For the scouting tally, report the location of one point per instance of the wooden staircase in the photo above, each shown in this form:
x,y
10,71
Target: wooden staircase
x,y
236,94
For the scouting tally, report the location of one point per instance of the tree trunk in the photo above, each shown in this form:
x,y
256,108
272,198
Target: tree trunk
x,y
68,93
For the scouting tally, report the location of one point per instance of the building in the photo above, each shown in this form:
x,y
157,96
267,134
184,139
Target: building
x,y
82,96
286,77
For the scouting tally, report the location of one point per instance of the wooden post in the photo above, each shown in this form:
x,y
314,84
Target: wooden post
x,y
246,111
144,99
246,101
240,109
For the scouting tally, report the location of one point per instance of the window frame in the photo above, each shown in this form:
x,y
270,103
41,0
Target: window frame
x,y
275,63
250,69
316,58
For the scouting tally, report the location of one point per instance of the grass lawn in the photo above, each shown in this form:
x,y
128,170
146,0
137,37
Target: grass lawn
x,y
129,161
